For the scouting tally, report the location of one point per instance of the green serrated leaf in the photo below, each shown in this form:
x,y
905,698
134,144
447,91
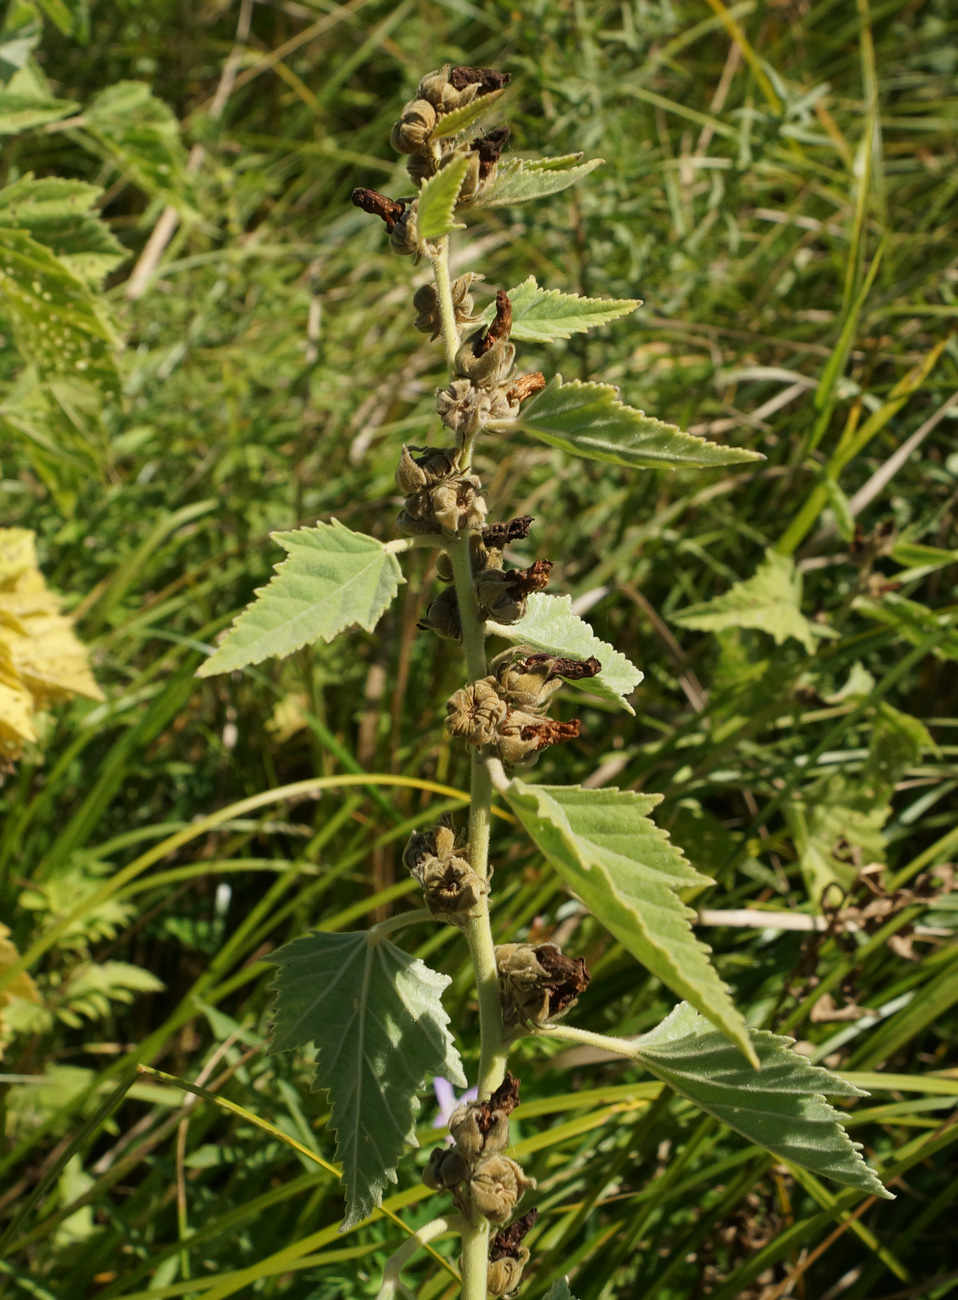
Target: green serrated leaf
x,y
628,874
436,214
518,180
770,601
56,322
542,315
559,1290
141,135
460,119
833,815
550,624
781,1108
332,579
56,213
20,32
25,103
589,420
376,1018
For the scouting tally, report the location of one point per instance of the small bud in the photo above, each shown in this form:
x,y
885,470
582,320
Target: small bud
x,y
476,713
378,205
514,530
446,1169
538,984
412,130
495,1186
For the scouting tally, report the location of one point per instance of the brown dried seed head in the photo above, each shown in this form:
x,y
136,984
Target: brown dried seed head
x,y
500,327
514,530
568,978
535,578
488,147
378,205
526,386
495,1186
507,1242
476,712
538,984
486,79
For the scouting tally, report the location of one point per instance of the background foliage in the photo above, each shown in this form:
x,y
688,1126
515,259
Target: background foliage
x,y
780,189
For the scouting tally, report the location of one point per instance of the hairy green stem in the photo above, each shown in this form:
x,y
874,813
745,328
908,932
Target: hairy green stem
x,y
398,1260
492,1064
398,922
568,1034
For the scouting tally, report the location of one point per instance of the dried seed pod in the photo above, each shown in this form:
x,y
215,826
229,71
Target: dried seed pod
x,y
528,681
495,1186
487,356
452,890
523,736
446,1169
403,237
442,616
458,505
446,93
476,713
538,984
482,1127
514,530
439,499
466,407
437,842
412,130
508,1256
502,595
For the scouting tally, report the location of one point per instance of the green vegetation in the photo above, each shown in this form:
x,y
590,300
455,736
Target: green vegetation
x,y
779,189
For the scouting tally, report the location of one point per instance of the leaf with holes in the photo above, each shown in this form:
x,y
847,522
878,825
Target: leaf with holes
x,y
549,624
56,322
518,180
56,213
436,213
628,874
589,420
770,601
333,578
376,1018
541,315
781,1108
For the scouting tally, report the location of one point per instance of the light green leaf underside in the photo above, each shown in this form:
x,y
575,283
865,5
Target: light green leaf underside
x,y
559,1291
628,874
332,579
781,1108
376,1018
770,601
56,213
460,119
436,214
589,420
541,315
520,179
549,624
55,320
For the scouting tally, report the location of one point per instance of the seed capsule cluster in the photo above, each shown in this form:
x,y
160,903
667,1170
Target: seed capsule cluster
x,y
452,890
480,1177
538,984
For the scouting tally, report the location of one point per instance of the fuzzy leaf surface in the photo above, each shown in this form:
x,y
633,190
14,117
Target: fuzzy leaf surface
x,y
333,578
460,119
520,179
559,1290
770,601
436,214
376,1018
781,1108
549,624
627,872
542,315
589,420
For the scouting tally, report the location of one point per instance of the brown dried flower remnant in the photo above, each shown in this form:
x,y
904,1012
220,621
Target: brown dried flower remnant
x,y
526,386
529,681
378,205
513,530
508,1256
452,890
502,595
538,984
489,147
482,1127
484,79
500,328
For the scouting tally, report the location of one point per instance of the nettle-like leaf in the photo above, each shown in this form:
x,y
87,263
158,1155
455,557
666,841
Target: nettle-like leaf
x,y
542,315
333,578
88,990
781,1108
549,624
56,323
460,119
56,213
436,214
589,420
559,1290
834,818
520,179
627,872
141,135
771,601
376,1018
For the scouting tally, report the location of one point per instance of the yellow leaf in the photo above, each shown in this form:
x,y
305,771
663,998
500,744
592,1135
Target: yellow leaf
x,y
50,660
17,553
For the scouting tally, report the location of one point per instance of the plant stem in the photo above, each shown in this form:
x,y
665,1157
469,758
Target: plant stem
x,y
398,922
398,1260
568,1034
492,1064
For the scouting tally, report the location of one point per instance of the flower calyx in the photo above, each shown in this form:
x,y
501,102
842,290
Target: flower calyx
x,y
445,1170
528,681
502,593
452,890
439,499
508,1256
538,984
426,302
481,1128
487,357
